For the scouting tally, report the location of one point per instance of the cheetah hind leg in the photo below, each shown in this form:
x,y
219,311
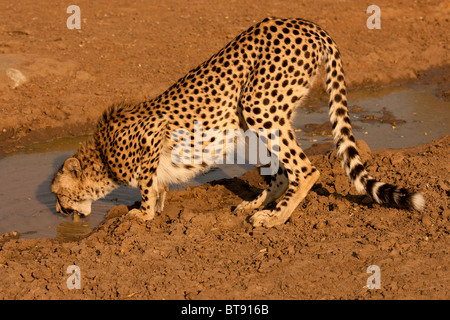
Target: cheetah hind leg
x,y
268,218
277,186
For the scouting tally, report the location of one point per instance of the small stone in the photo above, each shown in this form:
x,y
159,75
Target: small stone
x,y
397,158
16,76
426,221
117,211
320,225
322,192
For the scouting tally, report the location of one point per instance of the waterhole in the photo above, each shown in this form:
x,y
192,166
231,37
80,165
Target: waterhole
x,y
386,118
399,117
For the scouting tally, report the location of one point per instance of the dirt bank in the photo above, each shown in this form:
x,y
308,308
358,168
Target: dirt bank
x,y
127,51
199,249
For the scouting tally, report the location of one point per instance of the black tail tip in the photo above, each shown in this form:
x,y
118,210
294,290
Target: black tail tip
x,y
411,201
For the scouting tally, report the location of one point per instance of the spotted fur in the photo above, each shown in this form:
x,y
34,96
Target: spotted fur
x,y
254,82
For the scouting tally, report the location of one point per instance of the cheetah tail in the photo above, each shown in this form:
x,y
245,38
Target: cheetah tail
x,y
381,192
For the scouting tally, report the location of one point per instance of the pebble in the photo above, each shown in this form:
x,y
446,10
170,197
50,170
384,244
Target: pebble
x,y
16,76
320,225
426,221
322,192
117,211
397,158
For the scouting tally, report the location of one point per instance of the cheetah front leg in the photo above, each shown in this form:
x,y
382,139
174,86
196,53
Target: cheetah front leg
x,y
161,198
148,204
152,193
153,198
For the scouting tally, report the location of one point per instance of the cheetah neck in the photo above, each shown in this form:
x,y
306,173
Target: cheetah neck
x,y
98,179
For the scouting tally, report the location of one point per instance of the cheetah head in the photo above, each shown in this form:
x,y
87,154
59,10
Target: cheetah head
x,y
70,188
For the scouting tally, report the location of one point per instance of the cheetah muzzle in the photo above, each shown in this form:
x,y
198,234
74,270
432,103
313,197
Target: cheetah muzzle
x,y
255,82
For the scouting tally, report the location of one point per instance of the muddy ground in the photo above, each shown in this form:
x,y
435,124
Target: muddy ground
x,y
199,249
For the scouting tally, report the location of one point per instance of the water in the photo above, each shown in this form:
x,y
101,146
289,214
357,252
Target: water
x,y
388,118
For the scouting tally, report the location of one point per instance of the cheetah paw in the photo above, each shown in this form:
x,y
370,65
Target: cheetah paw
x,y
264,218
243,206
137,213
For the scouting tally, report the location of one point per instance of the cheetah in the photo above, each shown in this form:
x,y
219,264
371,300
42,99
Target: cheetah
x,y
254,82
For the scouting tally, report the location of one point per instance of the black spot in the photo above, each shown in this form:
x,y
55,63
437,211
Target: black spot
x,y
341,111
385,193
347,120
345,131
337,98
369,186
352,152
356,171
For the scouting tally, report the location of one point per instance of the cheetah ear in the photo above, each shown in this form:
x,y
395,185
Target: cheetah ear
x,y
73,166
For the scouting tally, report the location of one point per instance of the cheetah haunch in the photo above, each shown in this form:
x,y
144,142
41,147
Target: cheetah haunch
x,y
255,82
